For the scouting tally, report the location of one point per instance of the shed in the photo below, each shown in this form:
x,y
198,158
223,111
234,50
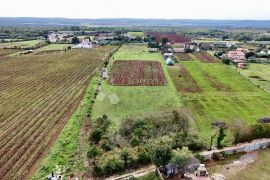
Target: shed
x,y
169,61
152,50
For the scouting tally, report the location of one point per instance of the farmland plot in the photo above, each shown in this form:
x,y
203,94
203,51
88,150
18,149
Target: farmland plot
x,y
184,57
259,74
183,80
5,52
173,38
38,94
137,73
22,44
119,102
205,57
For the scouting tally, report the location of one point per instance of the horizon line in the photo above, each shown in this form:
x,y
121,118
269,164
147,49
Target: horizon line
x,y
209,19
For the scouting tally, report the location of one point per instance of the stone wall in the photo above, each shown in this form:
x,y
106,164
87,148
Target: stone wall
x,y
244,147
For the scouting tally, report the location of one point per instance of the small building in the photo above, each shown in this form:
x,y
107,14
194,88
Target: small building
x,y
236,55
104,73
230,44
152,50
179,50
168,55
201,171
169,61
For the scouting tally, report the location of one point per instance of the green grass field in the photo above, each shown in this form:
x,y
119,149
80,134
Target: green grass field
x,y
53,47
20,44
136,34
136,52
259,74
137,100
226,95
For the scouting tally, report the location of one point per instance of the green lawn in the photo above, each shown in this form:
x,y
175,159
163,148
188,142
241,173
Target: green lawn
x,y
226,95
137,100
21,44
136,52
259,74
53,47
136,34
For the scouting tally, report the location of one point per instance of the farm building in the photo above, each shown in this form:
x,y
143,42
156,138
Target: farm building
x,y
167,55
152,50
236,55
104,73
180,48
230,44
169,61
83,45
60,37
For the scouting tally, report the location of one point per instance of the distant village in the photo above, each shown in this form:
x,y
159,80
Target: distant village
x,y
230,51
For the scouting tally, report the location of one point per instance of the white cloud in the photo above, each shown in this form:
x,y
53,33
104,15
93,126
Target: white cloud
x,y
177,9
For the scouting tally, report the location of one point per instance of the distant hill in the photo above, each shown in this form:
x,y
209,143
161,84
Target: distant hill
x,y
134,22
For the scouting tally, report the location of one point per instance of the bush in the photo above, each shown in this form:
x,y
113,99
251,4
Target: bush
x,y
106,144
143,155
109,164
226,61
199,157
216,156
96,135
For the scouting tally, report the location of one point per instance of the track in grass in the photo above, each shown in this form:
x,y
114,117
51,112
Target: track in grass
x,y
182,80
137,73
41,94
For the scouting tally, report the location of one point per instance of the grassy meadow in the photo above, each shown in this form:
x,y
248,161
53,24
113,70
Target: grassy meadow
x,y
136,100
224,95
53,47
20,44
136,34
259,74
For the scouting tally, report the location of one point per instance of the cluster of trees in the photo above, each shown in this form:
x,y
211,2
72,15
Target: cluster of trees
x,y
140,141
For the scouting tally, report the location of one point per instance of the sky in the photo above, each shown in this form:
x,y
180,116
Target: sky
x,y
164,9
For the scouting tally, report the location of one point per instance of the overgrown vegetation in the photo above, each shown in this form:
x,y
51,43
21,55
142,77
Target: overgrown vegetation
x,y
141,141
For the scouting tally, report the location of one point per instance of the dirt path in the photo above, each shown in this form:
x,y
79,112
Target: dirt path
x,y
139,173
239,164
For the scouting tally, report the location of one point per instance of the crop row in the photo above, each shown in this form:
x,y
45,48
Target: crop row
x,y
137,73
42,93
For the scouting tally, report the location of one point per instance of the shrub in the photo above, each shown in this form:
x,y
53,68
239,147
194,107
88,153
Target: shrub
x,y
106,144
93,152
143,155
96,135
199,157
226,61
109,163
216,156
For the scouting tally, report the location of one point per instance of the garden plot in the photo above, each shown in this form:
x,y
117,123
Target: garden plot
x,y
137,73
